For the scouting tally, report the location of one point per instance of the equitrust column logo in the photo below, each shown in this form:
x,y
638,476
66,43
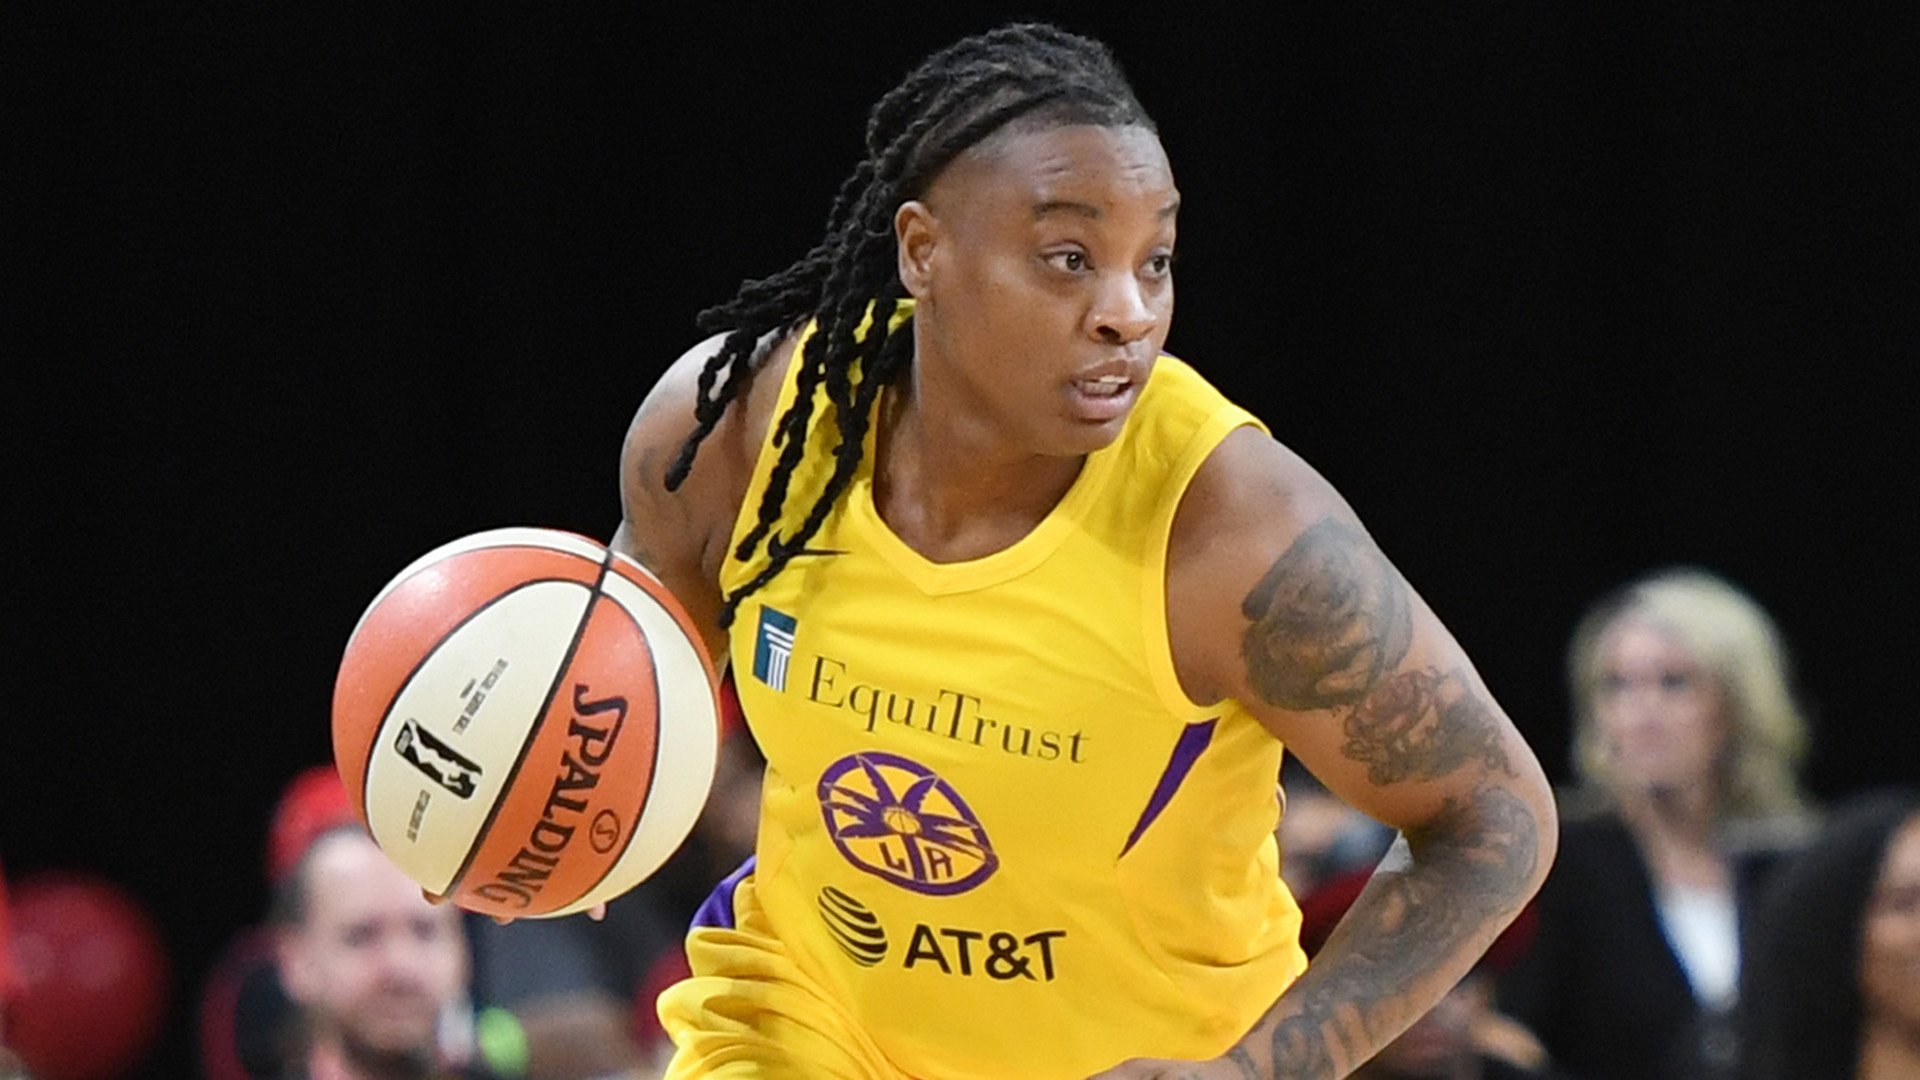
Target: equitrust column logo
x,y
773,647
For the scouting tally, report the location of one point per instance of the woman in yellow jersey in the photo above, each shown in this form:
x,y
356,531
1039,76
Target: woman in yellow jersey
x,y
1022,612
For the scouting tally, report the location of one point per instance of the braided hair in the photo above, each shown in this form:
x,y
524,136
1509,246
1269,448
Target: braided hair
x,y
1033,73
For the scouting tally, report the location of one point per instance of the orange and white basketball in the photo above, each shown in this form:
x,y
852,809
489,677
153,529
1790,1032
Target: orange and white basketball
x,y
526,721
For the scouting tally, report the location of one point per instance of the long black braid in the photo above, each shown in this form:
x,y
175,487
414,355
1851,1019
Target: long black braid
x,y
955,98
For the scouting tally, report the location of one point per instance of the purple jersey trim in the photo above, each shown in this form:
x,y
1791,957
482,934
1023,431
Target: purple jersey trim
x,y
716,911
1185,752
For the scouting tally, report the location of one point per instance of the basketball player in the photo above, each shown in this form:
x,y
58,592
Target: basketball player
x,y
1022,612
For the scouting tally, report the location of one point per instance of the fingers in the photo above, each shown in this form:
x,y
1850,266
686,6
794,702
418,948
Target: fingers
x,y
597,912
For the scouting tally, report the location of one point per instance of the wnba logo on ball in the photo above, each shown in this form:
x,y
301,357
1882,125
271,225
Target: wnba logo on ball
x,y
896,819
435,759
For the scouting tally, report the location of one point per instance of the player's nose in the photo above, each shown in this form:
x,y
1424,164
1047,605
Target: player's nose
x,y
1122,312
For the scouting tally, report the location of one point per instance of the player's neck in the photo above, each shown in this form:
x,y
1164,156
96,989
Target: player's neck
x,y
952,491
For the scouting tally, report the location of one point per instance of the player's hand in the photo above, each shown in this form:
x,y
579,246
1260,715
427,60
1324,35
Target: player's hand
x,y
597,912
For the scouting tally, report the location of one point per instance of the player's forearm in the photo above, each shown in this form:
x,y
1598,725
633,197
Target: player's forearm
x,y
1438,900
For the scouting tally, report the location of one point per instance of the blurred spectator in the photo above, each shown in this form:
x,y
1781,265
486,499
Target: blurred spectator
x,y
9,1064
1831,987
1464,1037
1686,738
249,1027
92,977
376,970
1319,835
583,991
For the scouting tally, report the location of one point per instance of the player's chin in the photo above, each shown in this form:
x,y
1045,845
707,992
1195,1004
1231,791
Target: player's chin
x,y
1073,433
1086,436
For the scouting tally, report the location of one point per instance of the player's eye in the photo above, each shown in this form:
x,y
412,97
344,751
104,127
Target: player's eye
x,y
1073,262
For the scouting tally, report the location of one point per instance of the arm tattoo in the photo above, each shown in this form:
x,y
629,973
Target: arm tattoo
x,y
1423,724
1408,924
1329,618
1331,623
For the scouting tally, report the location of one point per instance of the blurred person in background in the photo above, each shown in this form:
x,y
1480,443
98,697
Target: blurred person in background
x,y
1831,987
1464,1036
248,1025
10,1067
375,969
1320,836
90,981
1687,739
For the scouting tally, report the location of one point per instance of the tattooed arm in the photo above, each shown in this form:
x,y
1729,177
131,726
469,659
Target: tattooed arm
x,y
1279,599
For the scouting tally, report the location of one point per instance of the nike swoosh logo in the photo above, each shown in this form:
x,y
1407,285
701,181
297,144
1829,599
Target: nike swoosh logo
x,y
817,551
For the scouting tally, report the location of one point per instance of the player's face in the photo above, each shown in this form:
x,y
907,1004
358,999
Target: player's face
x,y
375,963
1660,712
1042,263
1890,949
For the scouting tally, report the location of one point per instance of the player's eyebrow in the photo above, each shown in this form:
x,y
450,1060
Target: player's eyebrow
x,y
1051,207
1089,211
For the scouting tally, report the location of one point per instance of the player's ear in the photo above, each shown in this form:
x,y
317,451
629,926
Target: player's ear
x,y
914,234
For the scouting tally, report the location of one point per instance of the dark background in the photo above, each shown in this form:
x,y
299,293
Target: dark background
x,y
1554,293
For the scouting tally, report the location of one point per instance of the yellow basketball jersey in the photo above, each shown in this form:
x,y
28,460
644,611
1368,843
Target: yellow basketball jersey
x,y
994,828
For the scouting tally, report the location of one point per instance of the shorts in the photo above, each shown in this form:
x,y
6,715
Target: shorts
x,y
749,1013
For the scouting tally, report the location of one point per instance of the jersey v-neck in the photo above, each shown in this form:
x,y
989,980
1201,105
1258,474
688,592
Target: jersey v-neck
x,y
940,578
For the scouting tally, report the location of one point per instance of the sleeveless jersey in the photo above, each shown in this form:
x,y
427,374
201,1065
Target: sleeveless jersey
x,y
993,828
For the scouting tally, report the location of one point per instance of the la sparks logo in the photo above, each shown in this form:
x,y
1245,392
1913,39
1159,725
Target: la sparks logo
x,y
896,819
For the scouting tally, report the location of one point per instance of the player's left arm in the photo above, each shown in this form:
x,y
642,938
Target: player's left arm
x,y
1280,599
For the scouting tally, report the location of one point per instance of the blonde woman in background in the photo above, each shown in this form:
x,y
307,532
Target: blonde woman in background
x,y
1687,738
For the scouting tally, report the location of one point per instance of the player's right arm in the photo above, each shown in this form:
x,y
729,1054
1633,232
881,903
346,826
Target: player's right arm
x,y
683,535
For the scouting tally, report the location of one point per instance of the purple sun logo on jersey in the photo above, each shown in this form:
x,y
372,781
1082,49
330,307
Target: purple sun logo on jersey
x,y
896,819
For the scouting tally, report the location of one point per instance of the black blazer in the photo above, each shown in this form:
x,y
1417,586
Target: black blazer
x,y
1599,984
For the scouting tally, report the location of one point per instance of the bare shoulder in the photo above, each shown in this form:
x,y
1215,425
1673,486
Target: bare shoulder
x,y
682,534
1252,501
1280,599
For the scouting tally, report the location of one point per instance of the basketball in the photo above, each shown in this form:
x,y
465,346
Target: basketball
x,y
526,721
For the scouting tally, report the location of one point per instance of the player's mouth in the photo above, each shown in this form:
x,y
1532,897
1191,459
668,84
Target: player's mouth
x,y
1102,398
